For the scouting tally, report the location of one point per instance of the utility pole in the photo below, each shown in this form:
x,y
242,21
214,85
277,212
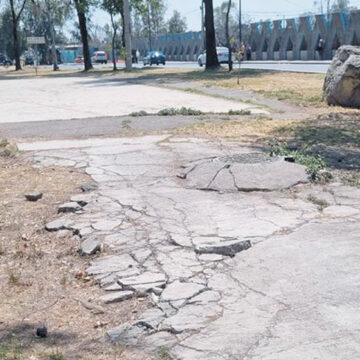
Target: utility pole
x,y
149,25
202,26
240,24
128,49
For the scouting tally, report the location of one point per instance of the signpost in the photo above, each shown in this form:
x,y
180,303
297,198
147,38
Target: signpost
x,y
36,40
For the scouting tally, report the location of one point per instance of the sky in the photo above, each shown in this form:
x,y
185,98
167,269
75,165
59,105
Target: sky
x,y
253,10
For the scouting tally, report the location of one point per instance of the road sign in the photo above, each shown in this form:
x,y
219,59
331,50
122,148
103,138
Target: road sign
x,y
35,40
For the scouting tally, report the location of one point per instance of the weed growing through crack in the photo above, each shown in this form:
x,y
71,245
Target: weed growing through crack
x,y
179,111
322,204
313,163
164,353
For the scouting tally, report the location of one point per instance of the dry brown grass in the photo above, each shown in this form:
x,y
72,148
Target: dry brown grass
x,y
42,278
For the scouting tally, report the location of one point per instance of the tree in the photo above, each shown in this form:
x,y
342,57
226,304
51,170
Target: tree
x,y
126,25
82,7
176,23
212,61
228,40
16,8
225,20
114,8
341,6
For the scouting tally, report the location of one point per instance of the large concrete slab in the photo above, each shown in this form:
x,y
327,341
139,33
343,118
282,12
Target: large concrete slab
x,y
63,98
294,294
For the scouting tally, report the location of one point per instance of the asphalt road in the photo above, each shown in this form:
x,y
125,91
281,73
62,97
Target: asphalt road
x,y
294,66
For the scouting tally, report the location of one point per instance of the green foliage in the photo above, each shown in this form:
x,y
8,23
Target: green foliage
x,y
176,23
314,163
239,112
181,111
139,113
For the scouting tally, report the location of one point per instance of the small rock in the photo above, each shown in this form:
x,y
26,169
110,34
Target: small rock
x,y
117,296
90,246
33,196
41,331
88,187
70,207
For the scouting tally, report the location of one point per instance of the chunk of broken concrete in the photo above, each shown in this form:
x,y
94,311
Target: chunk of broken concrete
x,y
88,187
90,246
70,207
59,224
227,248
35,196
126,334
117,296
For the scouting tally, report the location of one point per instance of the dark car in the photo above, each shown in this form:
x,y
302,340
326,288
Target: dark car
x,y
154,57
29,60
4,60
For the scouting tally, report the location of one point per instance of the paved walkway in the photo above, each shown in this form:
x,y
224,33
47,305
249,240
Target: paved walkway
x,y
64,98
291,293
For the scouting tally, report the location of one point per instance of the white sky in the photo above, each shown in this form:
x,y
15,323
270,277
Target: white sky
x,y
252,9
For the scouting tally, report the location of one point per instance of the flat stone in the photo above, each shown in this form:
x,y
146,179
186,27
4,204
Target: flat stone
x,y
205,297
151,318
224,247
88,187
126,334
144,278
180,291
70,207
192,317
340,211
114,287
34,196
106,225
90,246
59,224
112,264
117,296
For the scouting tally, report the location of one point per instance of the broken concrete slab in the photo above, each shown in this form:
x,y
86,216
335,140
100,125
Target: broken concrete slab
x,y
181,291
70,207
90,246
117,296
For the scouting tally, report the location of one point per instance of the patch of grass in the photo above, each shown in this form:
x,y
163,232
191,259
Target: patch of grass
x,y
10,353
313,163
56,355
322,204
164,353
239,112
14,278
179,111
139,113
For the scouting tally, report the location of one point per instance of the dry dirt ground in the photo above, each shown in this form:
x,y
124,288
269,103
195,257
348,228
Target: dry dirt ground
x,y
42,277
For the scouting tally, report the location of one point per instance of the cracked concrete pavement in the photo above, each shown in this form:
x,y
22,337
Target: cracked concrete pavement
x,y
292,294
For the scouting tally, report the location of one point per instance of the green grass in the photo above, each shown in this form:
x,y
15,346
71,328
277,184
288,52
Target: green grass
x,y
313,163
179,111
239,112
322,204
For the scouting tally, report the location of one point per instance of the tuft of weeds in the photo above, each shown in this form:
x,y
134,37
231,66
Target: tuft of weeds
x,y
320,203
14,278
313,163
139,113
164,353
56,355
239,112
180,111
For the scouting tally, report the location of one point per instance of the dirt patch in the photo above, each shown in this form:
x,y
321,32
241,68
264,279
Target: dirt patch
x,y
42,279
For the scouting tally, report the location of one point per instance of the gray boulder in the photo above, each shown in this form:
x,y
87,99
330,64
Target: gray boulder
x,y
342,82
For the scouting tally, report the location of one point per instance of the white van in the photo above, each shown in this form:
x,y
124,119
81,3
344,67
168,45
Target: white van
x,y
100,57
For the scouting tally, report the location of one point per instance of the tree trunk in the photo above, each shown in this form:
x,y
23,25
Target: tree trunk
x,y
123,28
212,61
228,34
80,9
127,35
113,41
15,36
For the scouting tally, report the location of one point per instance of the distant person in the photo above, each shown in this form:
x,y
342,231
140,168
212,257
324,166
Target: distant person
x,y
320,48
248,52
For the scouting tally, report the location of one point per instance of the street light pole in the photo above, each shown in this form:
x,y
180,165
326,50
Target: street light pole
x,y
240,24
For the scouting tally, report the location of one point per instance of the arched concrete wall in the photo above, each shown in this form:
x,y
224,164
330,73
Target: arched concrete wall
x,y
291,39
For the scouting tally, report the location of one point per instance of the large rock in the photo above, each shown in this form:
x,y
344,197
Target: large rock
x,y
342,82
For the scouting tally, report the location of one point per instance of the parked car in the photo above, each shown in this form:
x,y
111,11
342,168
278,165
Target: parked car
x,y
100,57
222,53
29,60
154,57
4,60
